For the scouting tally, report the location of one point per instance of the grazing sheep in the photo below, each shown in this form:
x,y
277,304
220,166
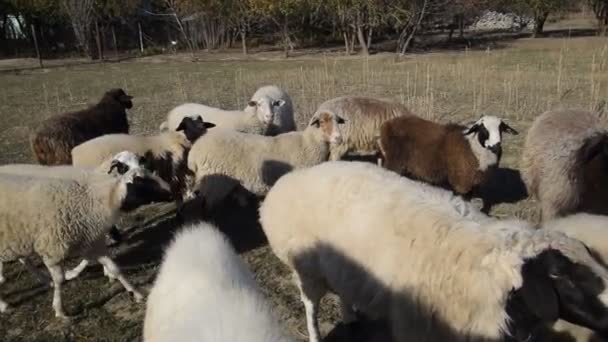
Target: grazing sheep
x,y
53,140
443,271
447,155
116,165
222,159
565,163
166,153
204,292
364,115
55,218
269,112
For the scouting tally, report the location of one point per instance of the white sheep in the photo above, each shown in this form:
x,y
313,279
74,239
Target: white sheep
x,y
269,112
223,159
164,153
205,292
454,155
56,217
364,116
564,163
422,257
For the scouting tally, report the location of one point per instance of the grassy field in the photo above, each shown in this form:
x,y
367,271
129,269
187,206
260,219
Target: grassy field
x,y
518,82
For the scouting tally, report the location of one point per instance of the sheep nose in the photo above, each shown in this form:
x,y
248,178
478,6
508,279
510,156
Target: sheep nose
x,y
496,149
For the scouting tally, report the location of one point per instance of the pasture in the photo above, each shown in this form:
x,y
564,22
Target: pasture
x,y
516,81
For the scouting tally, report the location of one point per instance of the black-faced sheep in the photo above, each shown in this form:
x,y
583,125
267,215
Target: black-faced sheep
x,y
55,217
53,140
425,259
364,116
205,292
565,163
165,153
451,155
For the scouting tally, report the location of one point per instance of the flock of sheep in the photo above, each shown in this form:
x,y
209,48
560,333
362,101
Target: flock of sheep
x,y
397,241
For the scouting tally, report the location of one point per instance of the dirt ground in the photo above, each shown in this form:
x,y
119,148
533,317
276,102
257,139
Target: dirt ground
x,y
517,80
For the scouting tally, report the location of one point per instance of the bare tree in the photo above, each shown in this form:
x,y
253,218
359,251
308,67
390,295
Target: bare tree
x,y
81,17
600,8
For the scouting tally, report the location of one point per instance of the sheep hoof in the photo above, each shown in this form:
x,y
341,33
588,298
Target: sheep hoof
x,y
138,297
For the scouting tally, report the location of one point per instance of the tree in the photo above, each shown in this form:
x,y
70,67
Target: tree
x,y
357,18
600,8
81,14
283,13
541,9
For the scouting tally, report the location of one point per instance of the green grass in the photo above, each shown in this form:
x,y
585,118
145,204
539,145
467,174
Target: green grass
x,y
517,83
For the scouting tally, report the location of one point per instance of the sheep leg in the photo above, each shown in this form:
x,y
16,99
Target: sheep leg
x,y
57,275
2,279
112,271
75,272
311,295
348,314
337,152
3,305
41,277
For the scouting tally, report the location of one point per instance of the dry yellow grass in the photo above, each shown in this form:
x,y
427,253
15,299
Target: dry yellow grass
x,y
518,83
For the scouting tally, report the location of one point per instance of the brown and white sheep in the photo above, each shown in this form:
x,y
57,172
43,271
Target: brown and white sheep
x,y
565,163
363,116
451,155
53,140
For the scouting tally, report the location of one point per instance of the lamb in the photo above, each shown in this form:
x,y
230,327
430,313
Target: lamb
x,y
269,112
444,272
449,155
364,116
204,292
224,159
564,163
54,139
165,153
55,218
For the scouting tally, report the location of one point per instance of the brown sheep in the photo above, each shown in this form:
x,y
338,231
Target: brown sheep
x,y
565,163
453,156
53,140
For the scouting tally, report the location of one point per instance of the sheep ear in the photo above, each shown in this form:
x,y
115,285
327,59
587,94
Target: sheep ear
x,y
183,124
538,292
593,147
252,103
209,125
315,122
278,103
508,129
472,129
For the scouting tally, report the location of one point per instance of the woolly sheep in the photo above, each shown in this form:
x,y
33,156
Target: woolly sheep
x,y
444,272
164,153
54,218
204,292
222,159
451,154
565,163
364,115
116,165
269,112
54,139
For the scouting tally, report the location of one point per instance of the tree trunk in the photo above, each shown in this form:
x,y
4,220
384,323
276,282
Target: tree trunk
x,y
362,42
36,47
540,24
346,44
405,38
461,25
285,38
98,41
370,34
244,41
141,38
114,41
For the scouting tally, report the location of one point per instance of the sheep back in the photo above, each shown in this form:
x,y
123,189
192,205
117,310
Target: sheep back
x,y
347,205
430,152
204,292
364,116
50,216
564,163
231,119
53,140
